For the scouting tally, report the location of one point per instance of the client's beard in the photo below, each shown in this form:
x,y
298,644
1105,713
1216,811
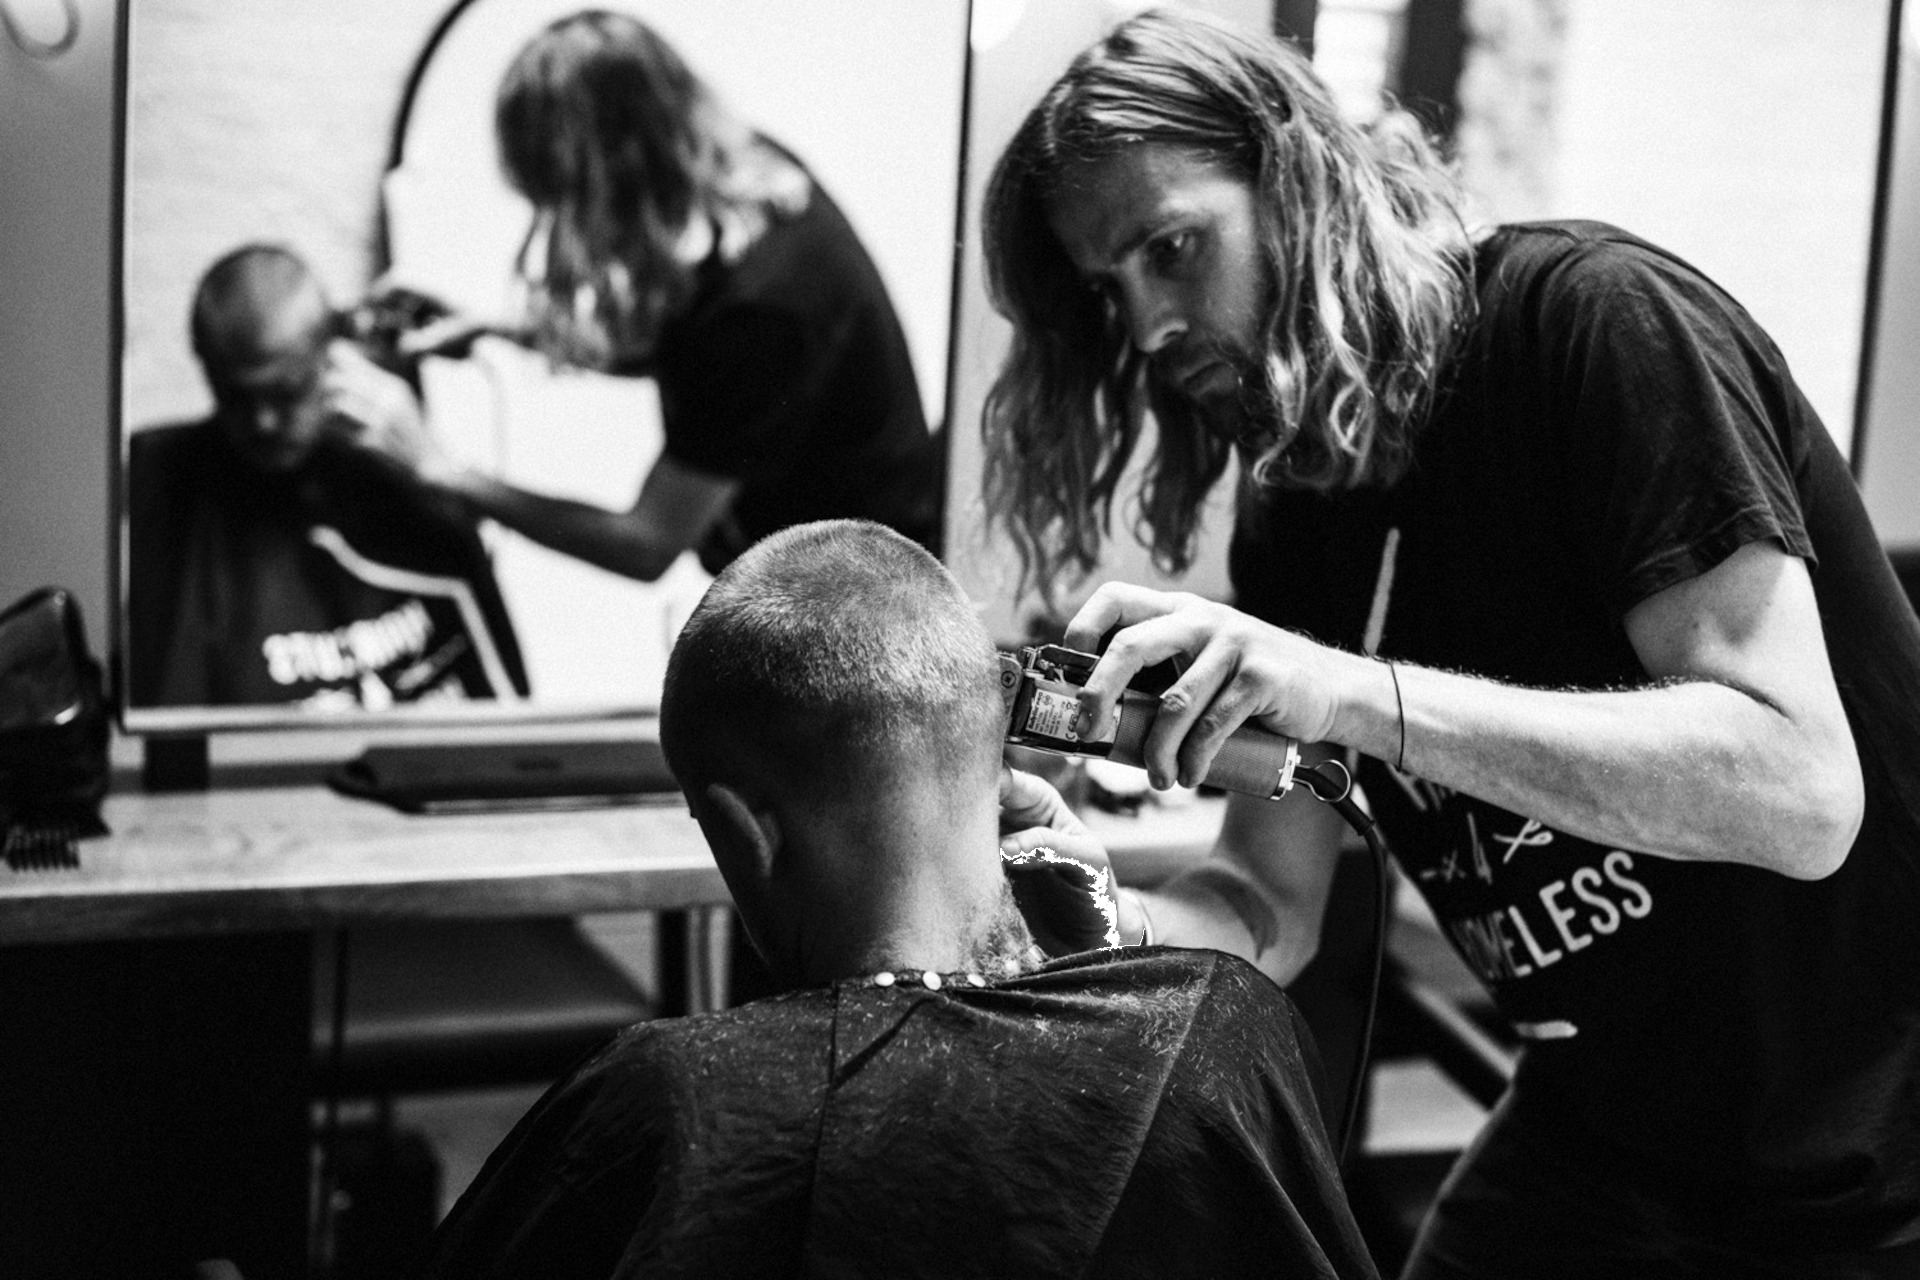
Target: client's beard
x,y
1003,945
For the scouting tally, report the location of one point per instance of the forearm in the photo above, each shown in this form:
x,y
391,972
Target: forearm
x,y
1219,907
1691,769
1262,890
618,541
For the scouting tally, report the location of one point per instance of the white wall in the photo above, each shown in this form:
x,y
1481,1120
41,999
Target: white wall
x,y
56,201
1890,440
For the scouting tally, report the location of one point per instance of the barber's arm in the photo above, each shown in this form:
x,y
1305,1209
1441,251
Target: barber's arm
x,y
676,507
1263,889
1738,749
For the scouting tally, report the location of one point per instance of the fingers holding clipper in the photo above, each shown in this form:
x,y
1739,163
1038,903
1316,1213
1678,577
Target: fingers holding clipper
x,y
1115,604
1197,714
1181,631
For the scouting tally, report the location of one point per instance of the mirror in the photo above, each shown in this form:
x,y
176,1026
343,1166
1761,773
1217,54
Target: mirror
x,y
328,131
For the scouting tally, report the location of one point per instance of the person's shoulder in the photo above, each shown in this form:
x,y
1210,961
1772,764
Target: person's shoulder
x,y
1158,963
1575,255
699,1037
185,458
656,1060
160,445
815,242
1203,1014
1522,257
1593,277
1164,975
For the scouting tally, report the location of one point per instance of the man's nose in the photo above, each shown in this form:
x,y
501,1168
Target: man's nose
x,y
1153,319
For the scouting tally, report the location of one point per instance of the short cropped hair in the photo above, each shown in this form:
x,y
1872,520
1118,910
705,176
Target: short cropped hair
x,y
836,655
1367,251
239,298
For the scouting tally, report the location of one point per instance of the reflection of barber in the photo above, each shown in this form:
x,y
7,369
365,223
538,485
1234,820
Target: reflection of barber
x,y
1654,770
270,564
674,242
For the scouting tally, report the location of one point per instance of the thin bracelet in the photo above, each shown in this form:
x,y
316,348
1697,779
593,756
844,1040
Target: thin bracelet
x,y
1401,706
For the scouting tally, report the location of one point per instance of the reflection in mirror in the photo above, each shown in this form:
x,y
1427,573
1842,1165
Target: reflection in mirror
x,y
1739,134
297,423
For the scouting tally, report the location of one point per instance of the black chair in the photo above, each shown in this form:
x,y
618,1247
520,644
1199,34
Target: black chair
x,y
466,1004
423,1007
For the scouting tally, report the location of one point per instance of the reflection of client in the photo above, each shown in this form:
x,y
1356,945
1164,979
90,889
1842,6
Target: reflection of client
x,y
936,1098
673,242
268,563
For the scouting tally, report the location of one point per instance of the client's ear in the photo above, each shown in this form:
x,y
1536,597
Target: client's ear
x,y
749,831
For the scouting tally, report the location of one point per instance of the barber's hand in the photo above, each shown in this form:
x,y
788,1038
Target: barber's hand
x,y
422,323
1068,908
1033,813
451,336
376,411
1239,669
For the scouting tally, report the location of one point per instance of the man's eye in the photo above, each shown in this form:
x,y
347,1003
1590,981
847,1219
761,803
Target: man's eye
x,y
1170,249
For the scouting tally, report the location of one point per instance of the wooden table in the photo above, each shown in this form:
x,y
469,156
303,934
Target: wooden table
x,y
266,859
154,1083
273,858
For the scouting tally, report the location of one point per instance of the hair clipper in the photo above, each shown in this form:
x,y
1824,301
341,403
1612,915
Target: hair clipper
x,y
1040,689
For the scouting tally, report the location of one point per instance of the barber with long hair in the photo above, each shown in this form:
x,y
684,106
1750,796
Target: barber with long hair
x,y
1534,525
672,240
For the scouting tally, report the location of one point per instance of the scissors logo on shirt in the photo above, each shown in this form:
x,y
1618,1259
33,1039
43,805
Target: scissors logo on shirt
x,y
1531,835
1454,866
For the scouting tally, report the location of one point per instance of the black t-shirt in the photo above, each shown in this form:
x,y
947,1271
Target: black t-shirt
x,y
1114,1114
334,586
788,371
1739,1043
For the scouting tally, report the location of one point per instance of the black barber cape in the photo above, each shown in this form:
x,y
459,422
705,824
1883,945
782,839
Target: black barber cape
x,y
1121,1113
335,586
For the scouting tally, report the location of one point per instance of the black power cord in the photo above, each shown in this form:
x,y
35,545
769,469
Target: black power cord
x,y
1329,781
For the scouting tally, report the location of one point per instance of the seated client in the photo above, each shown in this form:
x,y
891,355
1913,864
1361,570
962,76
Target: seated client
x,y
268,562
933,1096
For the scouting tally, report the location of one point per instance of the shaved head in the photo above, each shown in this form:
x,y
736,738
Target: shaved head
x,y
262,327
255,305
831,659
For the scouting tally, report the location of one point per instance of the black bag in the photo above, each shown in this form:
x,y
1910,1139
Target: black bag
x,y
53,731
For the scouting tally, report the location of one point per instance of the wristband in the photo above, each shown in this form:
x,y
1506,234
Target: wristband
x,y
1400,706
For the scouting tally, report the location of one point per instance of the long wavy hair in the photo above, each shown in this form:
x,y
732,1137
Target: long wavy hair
x,y
1368,252
628,159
